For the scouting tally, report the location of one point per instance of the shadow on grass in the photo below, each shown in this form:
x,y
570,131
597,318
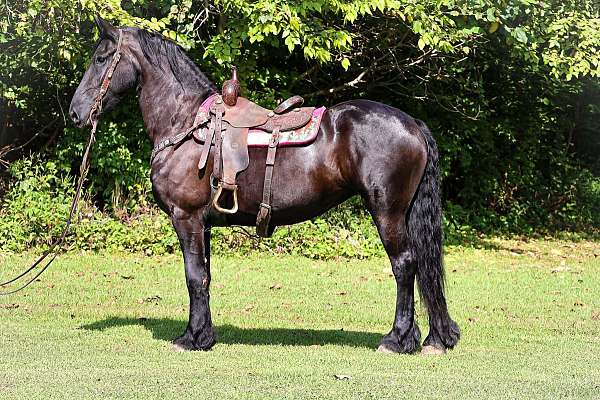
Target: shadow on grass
x,y
167,329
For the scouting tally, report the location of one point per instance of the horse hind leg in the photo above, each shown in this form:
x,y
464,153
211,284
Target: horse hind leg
x,y
405,336
426,237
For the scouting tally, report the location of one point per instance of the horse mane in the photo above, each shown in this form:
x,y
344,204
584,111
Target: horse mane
x,y
163,52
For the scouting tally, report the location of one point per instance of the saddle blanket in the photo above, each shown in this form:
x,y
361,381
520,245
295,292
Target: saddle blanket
x,y
297,137
259,138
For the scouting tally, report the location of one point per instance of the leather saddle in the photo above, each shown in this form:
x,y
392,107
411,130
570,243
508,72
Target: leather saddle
x,y
246,114
231,118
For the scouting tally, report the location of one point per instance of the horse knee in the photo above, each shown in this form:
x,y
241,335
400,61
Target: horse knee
x,y
403,266
199,283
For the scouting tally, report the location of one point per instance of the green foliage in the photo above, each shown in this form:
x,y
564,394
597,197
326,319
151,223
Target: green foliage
x,y
35,210
34,213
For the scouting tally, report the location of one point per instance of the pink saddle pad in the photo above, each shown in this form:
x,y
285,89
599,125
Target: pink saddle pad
x,y
297,137
259,138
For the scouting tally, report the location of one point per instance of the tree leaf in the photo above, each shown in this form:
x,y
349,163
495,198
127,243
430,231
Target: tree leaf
x,y
345,63
519,34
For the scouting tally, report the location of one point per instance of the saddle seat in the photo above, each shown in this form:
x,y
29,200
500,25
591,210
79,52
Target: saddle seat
x,y
247,114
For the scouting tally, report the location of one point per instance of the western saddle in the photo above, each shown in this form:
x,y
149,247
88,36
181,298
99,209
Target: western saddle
x,y
231,117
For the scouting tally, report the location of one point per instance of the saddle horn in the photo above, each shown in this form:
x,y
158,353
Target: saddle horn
x,y
231,88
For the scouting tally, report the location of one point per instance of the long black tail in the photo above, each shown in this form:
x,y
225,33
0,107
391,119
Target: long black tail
x,y
426,235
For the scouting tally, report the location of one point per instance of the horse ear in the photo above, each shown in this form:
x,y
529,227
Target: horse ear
x,y
107,31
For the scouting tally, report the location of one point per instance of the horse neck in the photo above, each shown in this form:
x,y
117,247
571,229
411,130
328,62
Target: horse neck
x,y
168,107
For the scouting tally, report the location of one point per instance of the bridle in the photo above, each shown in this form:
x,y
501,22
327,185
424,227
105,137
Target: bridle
x,y
97,106
83,170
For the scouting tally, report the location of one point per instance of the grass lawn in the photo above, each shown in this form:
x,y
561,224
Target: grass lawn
x,y
100,325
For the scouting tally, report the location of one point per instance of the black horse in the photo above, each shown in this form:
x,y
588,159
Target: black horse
x,y
363,147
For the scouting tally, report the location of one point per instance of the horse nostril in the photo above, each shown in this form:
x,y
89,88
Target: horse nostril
x,y
74,116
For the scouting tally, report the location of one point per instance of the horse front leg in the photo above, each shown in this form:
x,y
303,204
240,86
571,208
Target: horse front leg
x,y
194,241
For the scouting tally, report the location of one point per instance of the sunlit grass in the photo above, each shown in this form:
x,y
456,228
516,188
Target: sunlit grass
x,y
100,326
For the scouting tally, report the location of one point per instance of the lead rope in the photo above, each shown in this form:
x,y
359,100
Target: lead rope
x,y
83,171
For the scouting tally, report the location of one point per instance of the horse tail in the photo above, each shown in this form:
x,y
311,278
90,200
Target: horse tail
x,y
426,237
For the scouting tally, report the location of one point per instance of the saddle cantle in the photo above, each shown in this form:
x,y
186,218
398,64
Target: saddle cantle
x,y
295,119
232,117
292,102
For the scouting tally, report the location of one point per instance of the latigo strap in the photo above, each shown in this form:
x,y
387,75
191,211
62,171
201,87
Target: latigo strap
x,y
264,213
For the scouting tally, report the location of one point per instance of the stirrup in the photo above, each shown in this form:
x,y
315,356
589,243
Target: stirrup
x,y
220,209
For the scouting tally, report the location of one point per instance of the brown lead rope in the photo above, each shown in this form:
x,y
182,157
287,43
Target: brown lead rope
x,y
83,170
82,174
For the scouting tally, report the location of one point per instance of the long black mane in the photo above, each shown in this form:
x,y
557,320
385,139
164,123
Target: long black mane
x,y
164,53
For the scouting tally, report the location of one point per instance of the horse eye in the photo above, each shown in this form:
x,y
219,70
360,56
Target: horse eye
x,y
100,59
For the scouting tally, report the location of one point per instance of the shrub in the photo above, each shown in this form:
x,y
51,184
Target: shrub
x,y
35,208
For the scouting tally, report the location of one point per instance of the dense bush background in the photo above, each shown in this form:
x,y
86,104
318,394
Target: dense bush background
x,y
510,89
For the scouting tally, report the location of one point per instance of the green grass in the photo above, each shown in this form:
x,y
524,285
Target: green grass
x,y
99,326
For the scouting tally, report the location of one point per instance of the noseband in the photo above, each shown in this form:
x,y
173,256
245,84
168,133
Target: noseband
x,y
83,170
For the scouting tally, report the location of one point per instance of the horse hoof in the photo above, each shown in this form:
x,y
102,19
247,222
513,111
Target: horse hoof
x,y
383,349
432,351
179,348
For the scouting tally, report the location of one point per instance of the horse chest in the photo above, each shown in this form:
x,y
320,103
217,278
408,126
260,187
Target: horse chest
x,y
173,187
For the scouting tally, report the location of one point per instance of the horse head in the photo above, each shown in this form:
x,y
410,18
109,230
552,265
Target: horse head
x,y
112,66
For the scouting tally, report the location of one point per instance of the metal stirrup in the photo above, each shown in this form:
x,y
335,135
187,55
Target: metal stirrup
x,y
218,194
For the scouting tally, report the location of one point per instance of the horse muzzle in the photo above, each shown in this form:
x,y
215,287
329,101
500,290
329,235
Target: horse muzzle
x,y
79,118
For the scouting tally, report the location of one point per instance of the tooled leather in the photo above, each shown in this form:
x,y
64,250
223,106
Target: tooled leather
x,y
288,121
246,114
